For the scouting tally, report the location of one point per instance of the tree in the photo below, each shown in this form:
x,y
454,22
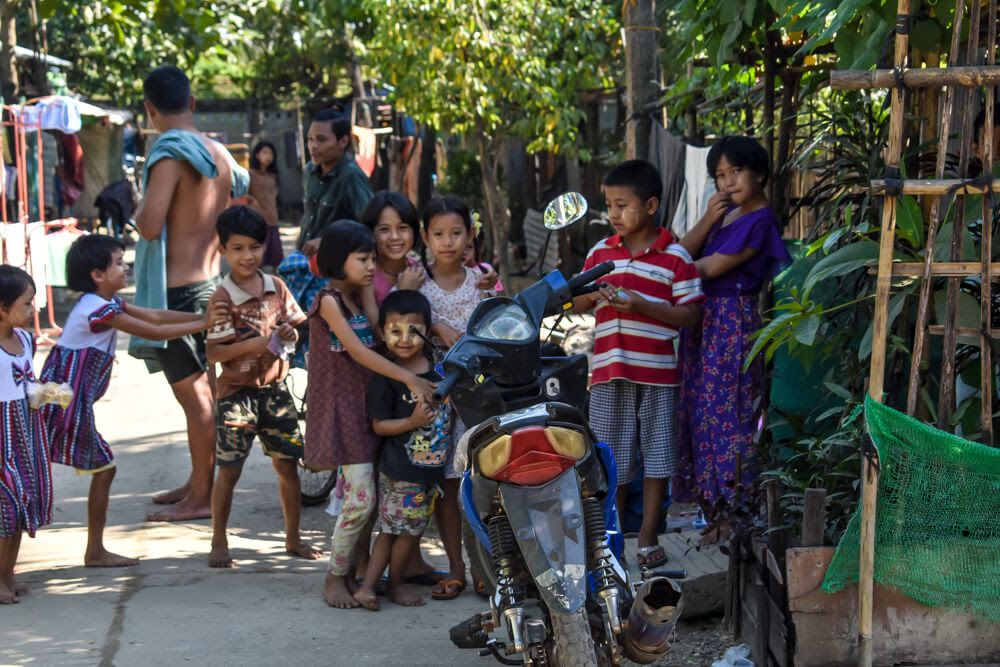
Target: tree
x,y
8,40
113,45
496,69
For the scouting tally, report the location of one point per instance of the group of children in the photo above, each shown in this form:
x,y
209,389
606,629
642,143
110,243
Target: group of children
x,y
397,281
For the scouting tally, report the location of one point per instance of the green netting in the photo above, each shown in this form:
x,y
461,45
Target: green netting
x,y
937,526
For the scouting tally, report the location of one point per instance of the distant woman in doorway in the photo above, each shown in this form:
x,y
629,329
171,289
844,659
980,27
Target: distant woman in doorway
x,y
264,189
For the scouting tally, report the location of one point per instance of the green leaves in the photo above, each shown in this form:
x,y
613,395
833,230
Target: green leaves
x,y
910,221
840,262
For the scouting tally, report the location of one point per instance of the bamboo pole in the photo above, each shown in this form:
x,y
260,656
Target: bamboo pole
x,y
883,286
967,77
929,267
946,393
935,186
942,269
986,378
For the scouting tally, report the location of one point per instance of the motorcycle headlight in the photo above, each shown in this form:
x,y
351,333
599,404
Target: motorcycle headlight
x,y
507,322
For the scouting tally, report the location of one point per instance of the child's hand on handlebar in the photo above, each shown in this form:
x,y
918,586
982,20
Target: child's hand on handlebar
x,y
423,390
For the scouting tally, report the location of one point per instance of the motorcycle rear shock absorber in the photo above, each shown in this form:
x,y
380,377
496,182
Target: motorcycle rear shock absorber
x,y
601,564
504,547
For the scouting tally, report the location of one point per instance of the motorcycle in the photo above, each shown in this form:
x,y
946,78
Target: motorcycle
x,y
538,491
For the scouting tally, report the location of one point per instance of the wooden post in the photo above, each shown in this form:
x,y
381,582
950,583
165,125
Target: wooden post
x,y
946,394
814,518
986,377
639,24
923,302
883,285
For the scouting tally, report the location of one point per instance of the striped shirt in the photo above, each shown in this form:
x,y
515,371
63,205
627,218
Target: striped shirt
x,y
634,347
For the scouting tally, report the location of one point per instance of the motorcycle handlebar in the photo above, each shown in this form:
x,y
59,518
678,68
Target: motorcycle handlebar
x,y
575,284
446,385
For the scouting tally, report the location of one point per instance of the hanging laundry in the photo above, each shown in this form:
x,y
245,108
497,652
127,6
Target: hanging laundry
x,y
14,247
70,167
55,113
667,154
57,246
698,188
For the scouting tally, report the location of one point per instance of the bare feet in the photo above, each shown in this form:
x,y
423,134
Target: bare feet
x,y
717,533
7,596
174,495
219,556
20,590
336,594
104,558
367,598
302,550
185,510
402,595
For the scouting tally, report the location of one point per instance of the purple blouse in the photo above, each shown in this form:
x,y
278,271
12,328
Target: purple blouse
x,y
759,230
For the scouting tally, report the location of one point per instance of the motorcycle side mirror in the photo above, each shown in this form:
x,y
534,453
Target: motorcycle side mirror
x,y
564,210
561,212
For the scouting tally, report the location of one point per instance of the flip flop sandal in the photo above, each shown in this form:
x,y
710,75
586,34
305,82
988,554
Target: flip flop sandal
x,y
449,589
479,586
427,578
651,556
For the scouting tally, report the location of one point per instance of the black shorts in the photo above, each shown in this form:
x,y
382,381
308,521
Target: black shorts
x,y
185,356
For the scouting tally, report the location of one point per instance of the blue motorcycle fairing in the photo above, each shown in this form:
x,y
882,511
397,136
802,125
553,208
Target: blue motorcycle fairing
x,y
616,539
471,514
549,527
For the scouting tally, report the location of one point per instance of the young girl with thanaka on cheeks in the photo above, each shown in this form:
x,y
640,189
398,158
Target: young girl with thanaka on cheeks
x,y
341,363
396,225
25,482
737,249
454,292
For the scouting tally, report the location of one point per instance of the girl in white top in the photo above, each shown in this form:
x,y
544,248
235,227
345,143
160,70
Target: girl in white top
x,y
83,358
454,293
25,480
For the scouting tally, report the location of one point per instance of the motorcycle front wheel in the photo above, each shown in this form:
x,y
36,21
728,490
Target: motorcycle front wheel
x,y
572,643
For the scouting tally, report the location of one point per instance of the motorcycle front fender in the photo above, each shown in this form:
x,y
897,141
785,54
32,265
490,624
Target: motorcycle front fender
x,y
548,524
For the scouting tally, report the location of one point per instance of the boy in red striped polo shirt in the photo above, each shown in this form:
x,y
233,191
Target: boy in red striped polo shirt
x,y
653,291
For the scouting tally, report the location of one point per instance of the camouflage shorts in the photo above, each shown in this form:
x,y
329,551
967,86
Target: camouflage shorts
x,y
265,412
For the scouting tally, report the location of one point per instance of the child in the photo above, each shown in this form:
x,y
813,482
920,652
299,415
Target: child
x,y
341,363
738,249
653,291
414,450
396,225
25,481
454,292
252,398
83,357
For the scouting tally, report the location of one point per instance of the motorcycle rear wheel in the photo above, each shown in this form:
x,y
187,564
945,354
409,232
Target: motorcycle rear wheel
x,y
573,645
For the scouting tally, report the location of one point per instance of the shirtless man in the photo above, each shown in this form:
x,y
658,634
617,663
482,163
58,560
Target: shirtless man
x,y
188,204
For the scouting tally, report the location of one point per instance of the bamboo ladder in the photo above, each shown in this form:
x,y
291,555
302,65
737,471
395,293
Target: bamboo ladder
x,y
959,82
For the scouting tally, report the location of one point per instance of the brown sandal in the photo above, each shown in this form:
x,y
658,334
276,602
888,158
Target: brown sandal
x,y
448,589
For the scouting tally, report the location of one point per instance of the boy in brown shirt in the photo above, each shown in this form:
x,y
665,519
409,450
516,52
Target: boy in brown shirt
x,y
253,400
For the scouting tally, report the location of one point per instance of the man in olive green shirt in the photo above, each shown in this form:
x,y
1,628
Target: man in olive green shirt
x,y
335,187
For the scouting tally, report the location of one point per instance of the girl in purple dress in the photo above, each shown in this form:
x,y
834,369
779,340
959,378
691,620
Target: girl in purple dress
x,y
737,249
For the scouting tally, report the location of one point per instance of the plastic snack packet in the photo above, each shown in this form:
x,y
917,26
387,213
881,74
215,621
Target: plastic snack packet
x,y
280,348
45,393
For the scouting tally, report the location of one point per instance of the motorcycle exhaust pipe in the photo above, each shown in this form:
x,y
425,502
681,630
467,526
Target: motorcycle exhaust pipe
x,y
650,625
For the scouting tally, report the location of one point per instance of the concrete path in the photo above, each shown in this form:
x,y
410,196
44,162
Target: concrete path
x,y
172,609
